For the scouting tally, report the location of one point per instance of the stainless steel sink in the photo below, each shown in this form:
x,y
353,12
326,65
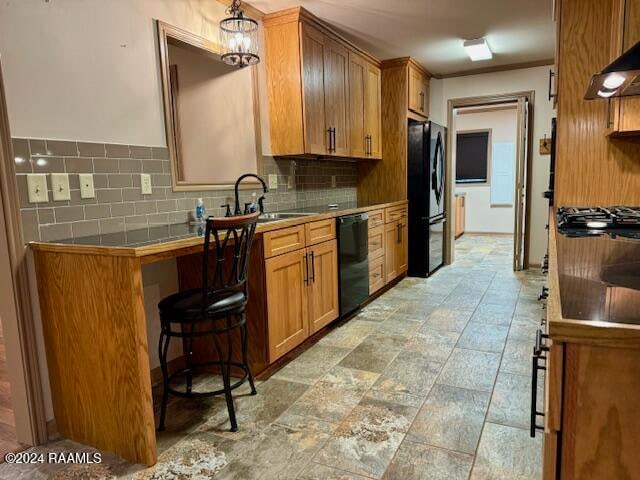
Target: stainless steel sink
x,y
272,217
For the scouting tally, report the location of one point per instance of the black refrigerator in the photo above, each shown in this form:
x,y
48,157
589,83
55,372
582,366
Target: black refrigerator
x,y
426,192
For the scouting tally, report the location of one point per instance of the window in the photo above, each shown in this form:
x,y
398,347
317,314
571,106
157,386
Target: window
x,y
472,154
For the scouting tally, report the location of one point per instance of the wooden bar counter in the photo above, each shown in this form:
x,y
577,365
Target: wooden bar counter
x,y
95,329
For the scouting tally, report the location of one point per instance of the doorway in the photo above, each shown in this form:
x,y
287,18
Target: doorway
x,y
488,189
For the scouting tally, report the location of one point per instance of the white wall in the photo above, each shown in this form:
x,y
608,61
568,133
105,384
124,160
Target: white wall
x,y
480,215
535,79
89,71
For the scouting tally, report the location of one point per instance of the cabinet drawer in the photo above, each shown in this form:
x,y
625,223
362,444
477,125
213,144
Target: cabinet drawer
x,y
320,231
376,218
376,274
392,214
284,240
376,242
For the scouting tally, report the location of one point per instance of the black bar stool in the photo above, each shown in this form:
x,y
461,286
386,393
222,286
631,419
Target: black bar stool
x,y
217,309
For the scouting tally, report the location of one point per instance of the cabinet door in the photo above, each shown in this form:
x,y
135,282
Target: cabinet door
x,y
417,95
624,113
629,114
402,247
425,96
313,90
336,94
357,79
286,279
391,240
323,284
372,111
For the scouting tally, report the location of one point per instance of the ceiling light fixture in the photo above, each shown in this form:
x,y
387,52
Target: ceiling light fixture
x,y
478,49
239,36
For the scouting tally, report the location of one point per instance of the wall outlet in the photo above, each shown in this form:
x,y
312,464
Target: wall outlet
x,y
37,188
333,181
273,181
145,184
60,187
86,185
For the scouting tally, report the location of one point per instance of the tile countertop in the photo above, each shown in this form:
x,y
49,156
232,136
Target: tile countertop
x,y
146,240
594,289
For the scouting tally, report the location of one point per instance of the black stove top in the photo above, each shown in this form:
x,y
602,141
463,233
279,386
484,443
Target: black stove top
x,y
594,221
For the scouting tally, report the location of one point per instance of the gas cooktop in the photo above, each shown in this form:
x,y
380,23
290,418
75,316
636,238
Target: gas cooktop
x,y
589,221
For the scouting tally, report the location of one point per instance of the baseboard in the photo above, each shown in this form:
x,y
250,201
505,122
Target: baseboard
x,y
493,234
174,365
52,430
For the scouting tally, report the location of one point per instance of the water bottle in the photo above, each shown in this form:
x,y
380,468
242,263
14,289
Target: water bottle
x,y
200,211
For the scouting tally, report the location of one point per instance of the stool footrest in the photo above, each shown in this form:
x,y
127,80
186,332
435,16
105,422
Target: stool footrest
x,y
185,371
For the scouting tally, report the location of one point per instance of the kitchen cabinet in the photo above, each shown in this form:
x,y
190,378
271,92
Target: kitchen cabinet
x,y
624,112
460,215
591,365
405,96
315,126
301,283
287,301
364,107
322,288
336,91
418,91
324,91
396,246
395,249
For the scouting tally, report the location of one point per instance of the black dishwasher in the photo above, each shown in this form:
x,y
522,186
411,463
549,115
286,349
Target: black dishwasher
x,y
353,260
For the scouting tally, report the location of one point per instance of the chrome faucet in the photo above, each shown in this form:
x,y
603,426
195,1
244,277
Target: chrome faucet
x,y
237,210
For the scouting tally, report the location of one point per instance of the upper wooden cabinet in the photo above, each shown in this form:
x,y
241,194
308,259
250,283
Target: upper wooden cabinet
x,y
624,112
418,90
324,92
364,107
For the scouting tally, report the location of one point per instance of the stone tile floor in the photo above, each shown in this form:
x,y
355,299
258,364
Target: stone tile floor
x,y
430,381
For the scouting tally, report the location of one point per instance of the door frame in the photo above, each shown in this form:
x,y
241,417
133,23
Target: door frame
x,y
487,100
18,322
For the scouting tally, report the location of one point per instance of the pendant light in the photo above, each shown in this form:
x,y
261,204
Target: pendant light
x,y
239,36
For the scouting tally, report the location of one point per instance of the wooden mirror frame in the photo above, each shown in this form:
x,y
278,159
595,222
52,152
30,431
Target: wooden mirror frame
x,y
214,50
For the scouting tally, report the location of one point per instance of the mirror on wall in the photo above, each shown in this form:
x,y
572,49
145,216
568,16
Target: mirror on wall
x,y
211,113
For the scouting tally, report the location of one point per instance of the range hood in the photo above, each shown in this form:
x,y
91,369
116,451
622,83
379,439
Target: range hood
x,y
621,78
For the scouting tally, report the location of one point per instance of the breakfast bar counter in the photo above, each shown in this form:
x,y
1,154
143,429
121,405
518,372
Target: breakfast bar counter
x,y
95,328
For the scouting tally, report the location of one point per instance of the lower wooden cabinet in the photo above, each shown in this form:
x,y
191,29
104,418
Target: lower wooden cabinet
x,y
302,295
395,249
376,275
322,289
287,297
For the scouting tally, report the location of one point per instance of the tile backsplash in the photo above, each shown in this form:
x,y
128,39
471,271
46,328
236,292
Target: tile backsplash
x,y
119,205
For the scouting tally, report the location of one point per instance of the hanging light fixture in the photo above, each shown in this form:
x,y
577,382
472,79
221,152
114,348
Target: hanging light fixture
x,y
239,36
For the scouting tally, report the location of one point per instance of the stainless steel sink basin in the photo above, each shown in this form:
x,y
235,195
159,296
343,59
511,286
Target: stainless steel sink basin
x,y
272,217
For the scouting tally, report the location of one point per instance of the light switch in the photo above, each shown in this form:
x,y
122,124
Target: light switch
x,y
60,187
37,187
145,184
86,185
273,181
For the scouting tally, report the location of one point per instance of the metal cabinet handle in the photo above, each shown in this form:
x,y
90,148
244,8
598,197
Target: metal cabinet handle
x,y
399,229
422,101
306,269
539,351
551,75
334,138
313,267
